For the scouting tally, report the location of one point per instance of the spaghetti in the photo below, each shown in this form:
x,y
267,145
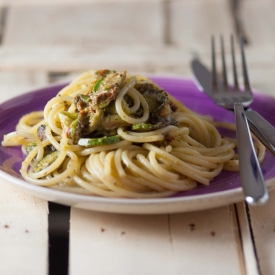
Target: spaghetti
x,y
113,134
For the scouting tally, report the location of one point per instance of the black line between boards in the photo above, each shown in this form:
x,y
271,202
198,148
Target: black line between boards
x,y
239,227
59,225
252,236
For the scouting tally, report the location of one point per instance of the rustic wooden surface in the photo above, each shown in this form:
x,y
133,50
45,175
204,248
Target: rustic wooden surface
x,y
43,42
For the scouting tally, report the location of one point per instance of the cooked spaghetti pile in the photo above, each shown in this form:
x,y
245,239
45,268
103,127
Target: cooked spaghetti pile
x,y
113,134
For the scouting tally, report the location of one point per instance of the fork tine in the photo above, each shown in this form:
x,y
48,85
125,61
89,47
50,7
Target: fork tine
x,y
225,82
236,84
250,171
214,71
245,71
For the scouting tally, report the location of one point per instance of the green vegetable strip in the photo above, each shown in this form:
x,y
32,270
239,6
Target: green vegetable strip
x,y
97,85
46,161
90,142
145,127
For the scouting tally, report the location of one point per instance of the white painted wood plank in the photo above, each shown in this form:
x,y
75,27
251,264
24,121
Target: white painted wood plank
x,y
263,226
159,59
62,2
13,84
69,58
23,233
23,218
258,17
98,24
206,242
23,78
193,22
191,243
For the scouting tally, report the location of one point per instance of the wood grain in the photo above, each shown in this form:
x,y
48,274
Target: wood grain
x,y
23,232
155,244
98,24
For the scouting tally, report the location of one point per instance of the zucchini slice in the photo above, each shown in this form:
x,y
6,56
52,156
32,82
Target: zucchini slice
x,y
145,127
45,162
91,142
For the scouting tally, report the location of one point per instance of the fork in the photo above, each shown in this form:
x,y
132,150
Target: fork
x,y
251,176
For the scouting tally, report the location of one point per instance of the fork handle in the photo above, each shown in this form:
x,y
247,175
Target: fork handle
x,y
251,176
264,131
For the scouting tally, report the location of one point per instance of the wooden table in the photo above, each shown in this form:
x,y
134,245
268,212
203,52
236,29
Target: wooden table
x,y
47,41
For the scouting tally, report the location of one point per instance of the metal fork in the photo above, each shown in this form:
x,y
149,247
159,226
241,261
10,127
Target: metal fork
x,y
251,177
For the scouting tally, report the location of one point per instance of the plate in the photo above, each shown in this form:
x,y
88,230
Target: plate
x,y
223,190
